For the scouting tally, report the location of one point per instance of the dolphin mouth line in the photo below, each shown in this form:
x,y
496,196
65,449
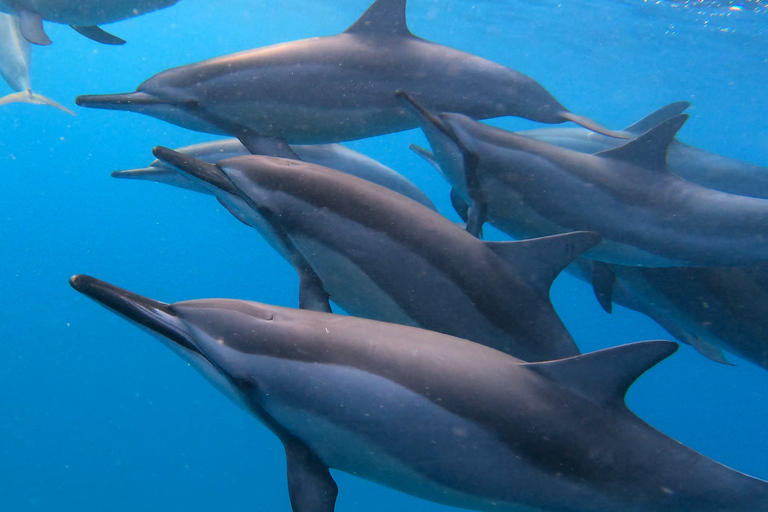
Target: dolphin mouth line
x,y
154,315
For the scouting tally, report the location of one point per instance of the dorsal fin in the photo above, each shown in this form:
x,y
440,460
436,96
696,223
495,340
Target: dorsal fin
x,y
383,18
649,150
542,259
657,116
606,375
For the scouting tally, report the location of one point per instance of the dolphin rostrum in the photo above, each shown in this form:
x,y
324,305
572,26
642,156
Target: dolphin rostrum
x,y
378,254
334,156
82,15
646,215
15,56
439,417
337,88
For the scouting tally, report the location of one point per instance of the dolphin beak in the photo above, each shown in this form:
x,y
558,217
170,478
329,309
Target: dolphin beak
x,y
196,169
126,101
425,116
145,173
153,315
591,125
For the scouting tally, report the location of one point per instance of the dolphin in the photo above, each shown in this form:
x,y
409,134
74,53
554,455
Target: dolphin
x,y
15,56
334,156
646,215
438,417
82,15
337,88
693,164
378,254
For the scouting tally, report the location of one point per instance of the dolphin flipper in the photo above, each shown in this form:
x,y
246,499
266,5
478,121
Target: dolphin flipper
x,y
708,350
460,206
310,484
98,34
657,117
31,25
312,295
33,98
603,280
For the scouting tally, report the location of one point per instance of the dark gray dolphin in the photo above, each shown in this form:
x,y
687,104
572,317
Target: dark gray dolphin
x,y
334,156
378,254
337,88
82,15
646,215
707,169
439,417
711,309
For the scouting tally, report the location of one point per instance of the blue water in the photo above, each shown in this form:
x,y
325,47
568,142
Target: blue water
x,y
97,415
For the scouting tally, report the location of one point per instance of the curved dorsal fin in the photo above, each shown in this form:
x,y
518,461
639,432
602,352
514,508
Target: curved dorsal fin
x,y
606,375
383,18
649,150
657,116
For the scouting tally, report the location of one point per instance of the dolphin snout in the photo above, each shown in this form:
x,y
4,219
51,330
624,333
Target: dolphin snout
x,y
124,101
196,169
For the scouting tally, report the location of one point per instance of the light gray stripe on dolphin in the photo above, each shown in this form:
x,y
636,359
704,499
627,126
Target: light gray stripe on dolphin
x,y
380,400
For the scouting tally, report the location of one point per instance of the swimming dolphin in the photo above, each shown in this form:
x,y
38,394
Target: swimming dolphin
x,y
334,156
711,309
438,417
15,56
380,255
707,169
646,215
337,88
82,15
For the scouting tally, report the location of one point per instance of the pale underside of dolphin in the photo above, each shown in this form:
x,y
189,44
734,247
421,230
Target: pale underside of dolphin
x,y
378,254
15,58
337,88
707,169
439,417
82,15
334,156
646,215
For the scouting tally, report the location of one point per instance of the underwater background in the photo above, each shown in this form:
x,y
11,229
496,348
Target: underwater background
x,y
97,415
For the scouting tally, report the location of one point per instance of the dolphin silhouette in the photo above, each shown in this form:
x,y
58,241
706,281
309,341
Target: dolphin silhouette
x,y
439,417
337,88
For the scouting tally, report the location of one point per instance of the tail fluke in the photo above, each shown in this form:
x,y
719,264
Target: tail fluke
x,y
32,97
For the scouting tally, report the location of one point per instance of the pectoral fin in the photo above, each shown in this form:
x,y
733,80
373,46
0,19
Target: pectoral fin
x,y
31,25
98,34
603,281
310,484
312,295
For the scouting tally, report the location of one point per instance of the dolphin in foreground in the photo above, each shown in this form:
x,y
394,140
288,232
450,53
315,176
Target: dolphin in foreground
x,y
378,254
438,417
15,57
82,15
337,88
646,215
334,156
707,169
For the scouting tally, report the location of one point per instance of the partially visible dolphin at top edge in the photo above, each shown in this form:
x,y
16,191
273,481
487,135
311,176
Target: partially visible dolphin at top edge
x,y
337,88
693,164
15,57
646,215
82,15
380,255
438,417
334,156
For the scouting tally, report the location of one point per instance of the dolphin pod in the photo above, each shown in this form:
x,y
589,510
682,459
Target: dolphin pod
x,y
82,15
439,417
334,156
15,56
337,88
380,255
646,215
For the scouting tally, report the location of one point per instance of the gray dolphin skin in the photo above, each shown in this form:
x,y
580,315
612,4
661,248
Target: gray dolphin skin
x,y
438,417
334,156
707,169
646,215
82,15
337,88
15,57
378,254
